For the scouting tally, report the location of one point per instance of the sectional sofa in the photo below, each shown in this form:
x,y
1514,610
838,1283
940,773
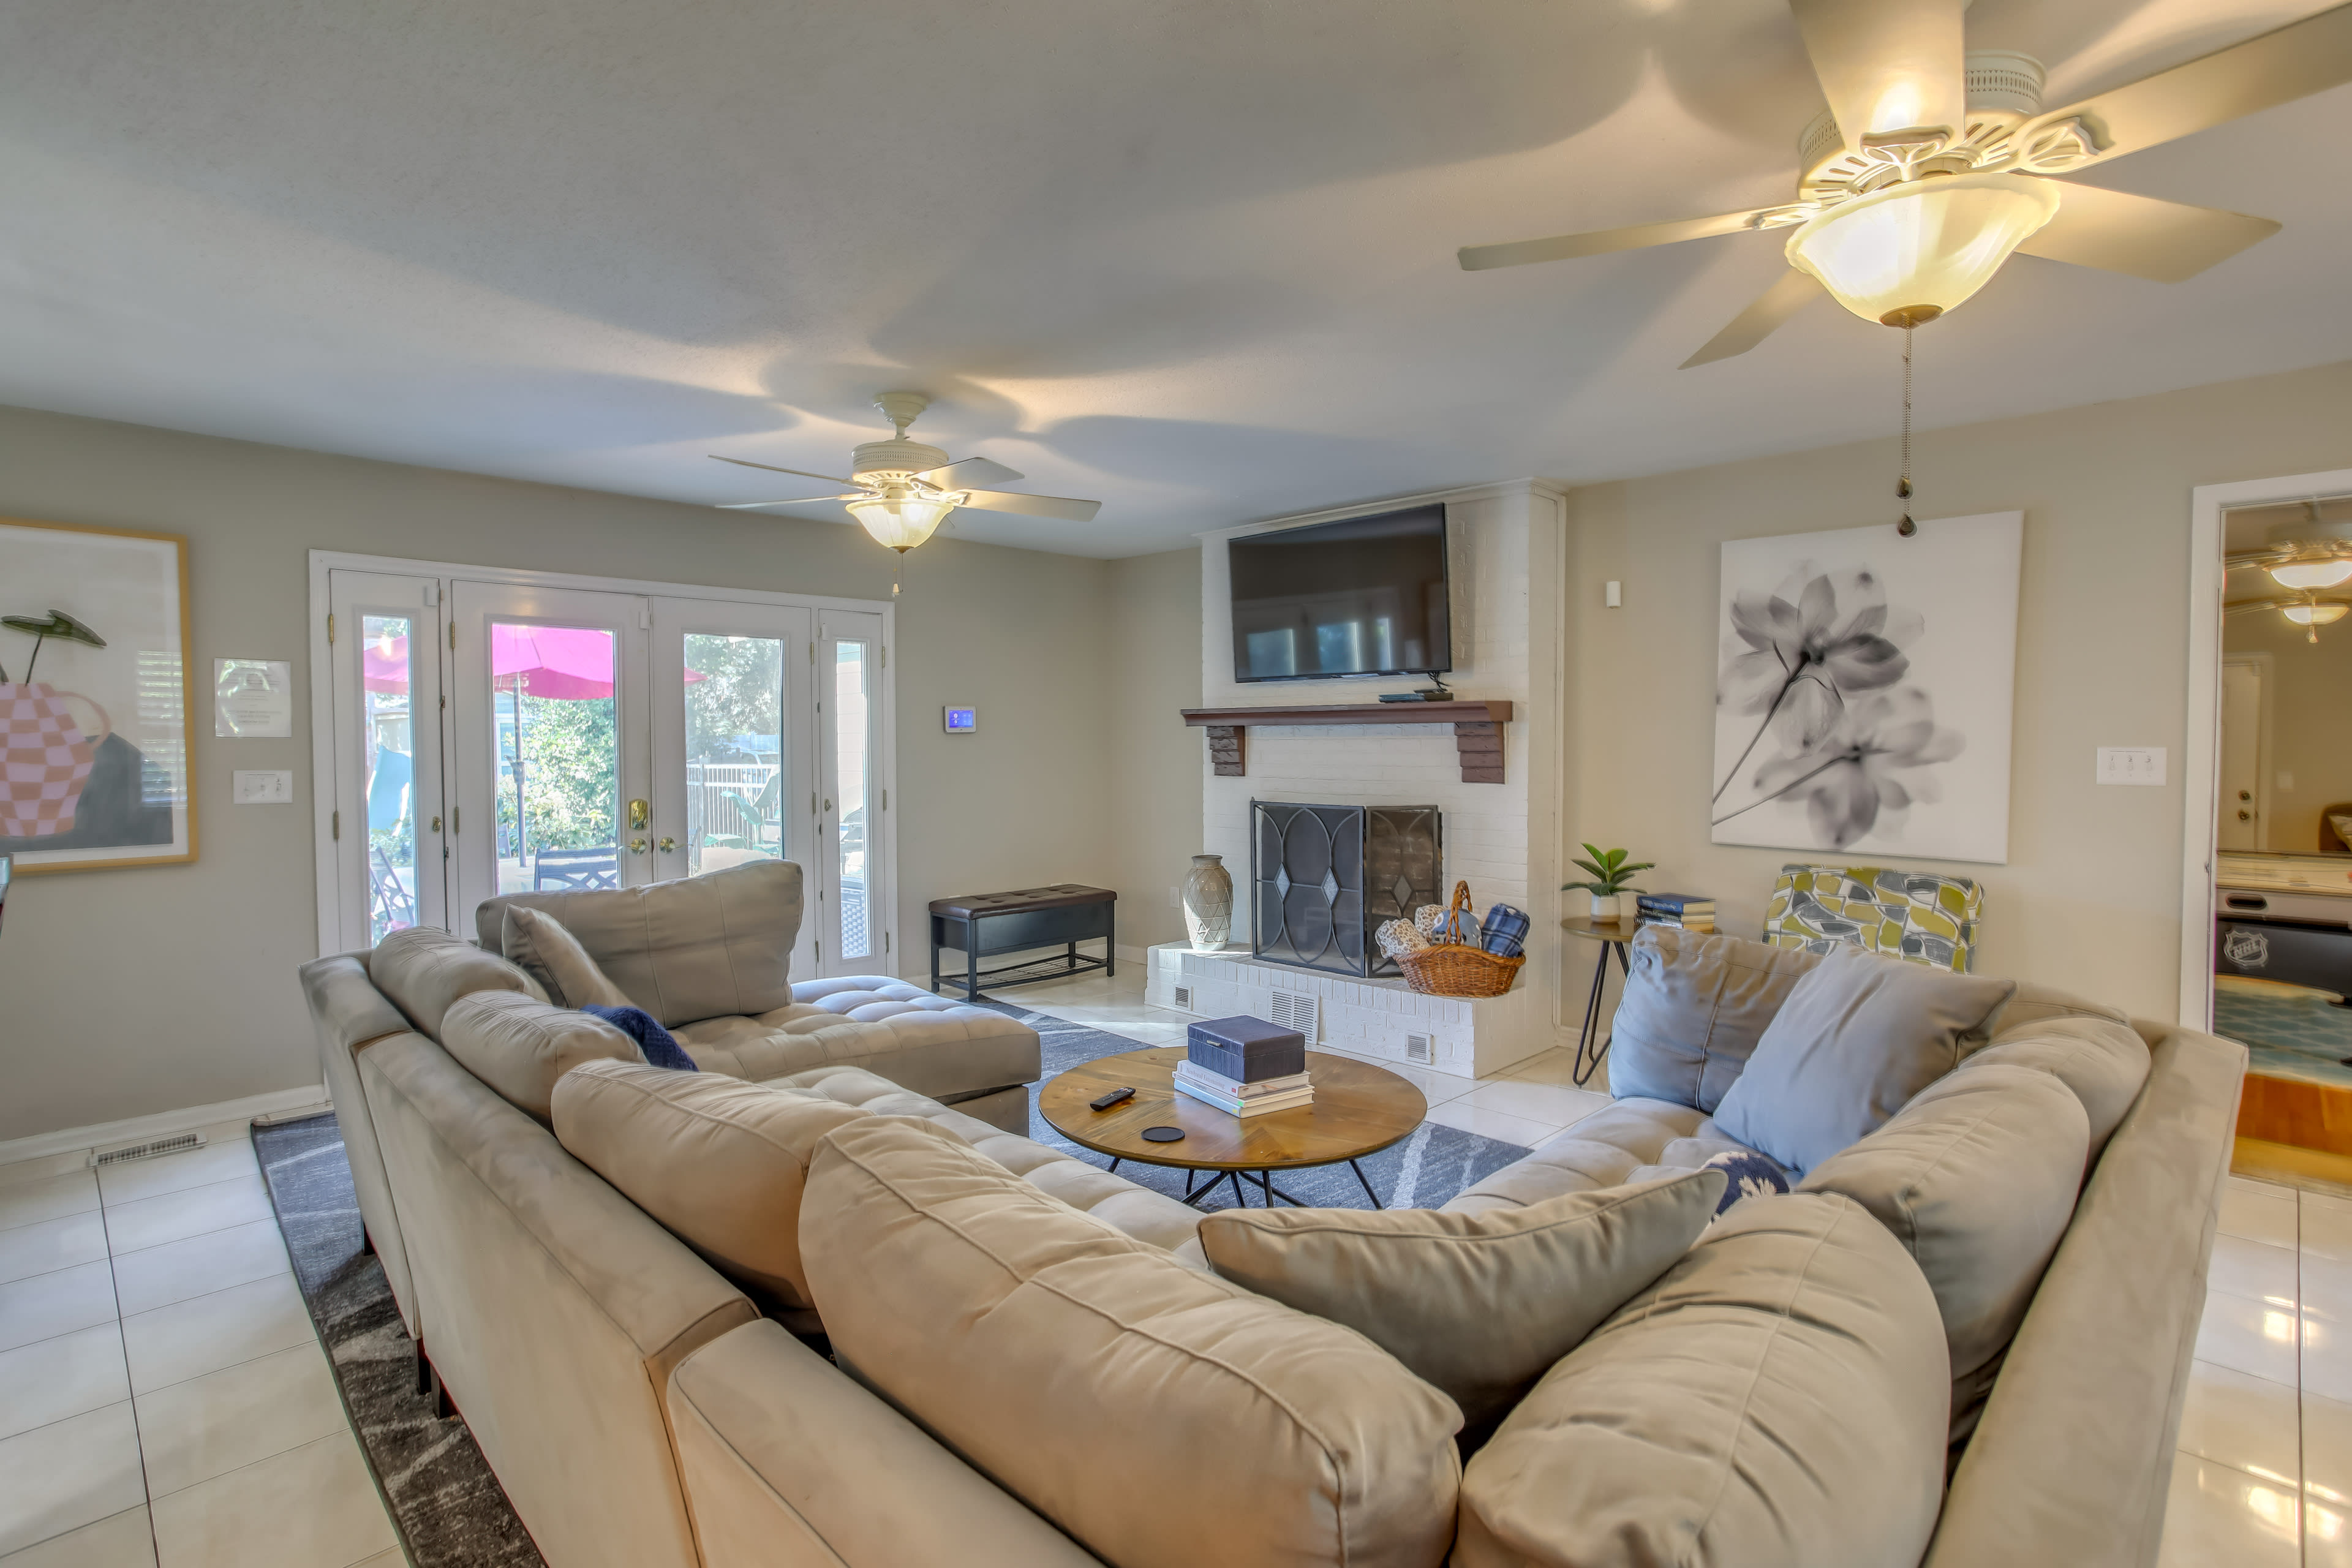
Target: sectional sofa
x,y
818,1314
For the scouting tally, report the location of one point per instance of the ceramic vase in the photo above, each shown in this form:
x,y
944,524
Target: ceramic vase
x,y
45,760
1605,906
1208,902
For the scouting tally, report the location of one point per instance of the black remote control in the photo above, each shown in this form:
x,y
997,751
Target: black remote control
x,y
1113,1098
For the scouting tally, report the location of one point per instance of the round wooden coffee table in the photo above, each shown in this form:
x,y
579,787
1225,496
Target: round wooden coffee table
x,y
1359,1109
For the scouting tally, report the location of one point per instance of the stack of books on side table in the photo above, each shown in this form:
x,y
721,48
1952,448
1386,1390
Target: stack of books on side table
x,y
1244,1067
1685,911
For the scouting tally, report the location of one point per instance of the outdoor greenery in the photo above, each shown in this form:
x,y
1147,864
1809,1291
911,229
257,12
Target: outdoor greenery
x,y
739,696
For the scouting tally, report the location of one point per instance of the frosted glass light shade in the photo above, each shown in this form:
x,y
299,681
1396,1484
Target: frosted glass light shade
x,y
2314,614
901,521
1917,249
2311,574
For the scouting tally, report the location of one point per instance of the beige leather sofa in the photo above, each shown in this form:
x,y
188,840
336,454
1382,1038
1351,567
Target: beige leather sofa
x,y
609,1296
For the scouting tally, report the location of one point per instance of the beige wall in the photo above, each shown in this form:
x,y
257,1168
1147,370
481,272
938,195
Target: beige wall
x,y
2310,700
2090,897
1155,652
123,993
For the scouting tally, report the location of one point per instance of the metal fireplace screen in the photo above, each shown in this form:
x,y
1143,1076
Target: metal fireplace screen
x,y
1324,877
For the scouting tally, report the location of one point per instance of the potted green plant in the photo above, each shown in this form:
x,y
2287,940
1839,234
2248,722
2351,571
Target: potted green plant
x,y
1611,873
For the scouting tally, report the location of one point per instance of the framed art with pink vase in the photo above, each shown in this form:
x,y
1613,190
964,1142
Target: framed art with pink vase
x,y
95,735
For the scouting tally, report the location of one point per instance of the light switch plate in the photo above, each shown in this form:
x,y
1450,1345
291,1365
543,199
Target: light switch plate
x,y
2131,764
263,786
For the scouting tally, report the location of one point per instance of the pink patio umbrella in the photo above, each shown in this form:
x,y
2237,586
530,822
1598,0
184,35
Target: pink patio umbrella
x,y
570,664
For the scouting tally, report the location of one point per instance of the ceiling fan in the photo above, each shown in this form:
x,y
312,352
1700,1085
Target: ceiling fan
x,y
902,490
1932,165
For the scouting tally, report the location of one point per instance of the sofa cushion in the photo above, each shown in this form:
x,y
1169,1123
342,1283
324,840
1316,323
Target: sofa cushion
x,y
932,1045
1776,1398
1478,1304
1977,1178
2106,1063
421,969
1160,1415
537,942
1858,1036
2036,1004
719,1163
520,1047
1604,1150
698,947
1694,1007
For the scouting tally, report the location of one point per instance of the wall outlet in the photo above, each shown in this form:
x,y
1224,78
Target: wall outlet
x,y
262,787
1614,596
2131,764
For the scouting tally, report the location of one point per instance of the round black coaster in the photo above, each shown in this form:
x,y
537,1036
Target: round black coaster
x,y
1162,1134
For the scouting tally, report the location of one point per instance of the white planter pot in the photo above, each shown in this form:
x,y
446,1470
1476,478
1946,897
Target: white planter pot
x,y
1208,903
1605,906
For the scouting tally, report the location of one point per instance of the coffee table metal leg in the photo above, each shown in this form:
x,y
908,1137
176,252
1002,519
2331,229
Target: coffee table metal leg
x,y
1241,1199
1368,1184
1114,1162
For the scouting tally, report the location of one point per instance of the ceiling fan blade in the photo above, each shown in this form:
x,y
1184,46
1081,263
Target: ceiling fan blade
x,y
772,468
1887,65
1769,314
1034,506
756,505
2276,67
1600,242
970,471
2141,236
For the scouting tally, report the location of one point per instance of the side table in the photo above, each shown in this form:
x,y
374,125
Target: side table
x,y
1614,936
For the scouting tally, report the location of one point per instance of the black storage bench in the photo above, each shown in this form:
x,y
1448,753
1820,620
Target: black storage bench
x,y
979,924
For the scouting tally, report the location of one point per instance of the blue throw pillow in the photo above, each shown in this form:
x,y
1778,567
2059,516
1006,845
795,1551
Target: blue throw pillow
x,y
654,1041
1747,1176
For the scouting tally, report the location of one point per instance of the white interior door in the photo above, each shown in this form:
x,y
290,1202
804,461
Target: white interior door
x,y
549,723
2240,824
850,874
386,834
734,775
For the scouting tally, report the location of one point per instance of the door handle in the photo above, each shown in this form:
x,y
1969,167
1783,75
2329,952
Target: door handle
x,y
637,845
436,825
640,813
667,846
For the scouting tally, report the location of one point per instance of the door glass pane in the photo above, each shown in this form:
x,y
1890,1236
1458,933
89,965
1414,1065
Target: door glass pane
x,y
387,758
734,752
555,738
849,794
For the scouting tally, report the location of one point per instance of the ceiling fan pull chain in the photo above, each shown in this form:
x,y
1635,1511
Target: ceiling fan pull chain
x,y
1906,527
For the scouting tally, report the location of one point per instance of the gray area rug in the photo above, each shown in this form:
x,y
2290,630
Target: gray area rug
x,y
439,1489
436,1486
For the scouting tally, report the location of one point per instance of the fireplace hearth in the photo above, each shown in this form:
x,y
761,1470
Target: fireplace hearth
x,y
1324,877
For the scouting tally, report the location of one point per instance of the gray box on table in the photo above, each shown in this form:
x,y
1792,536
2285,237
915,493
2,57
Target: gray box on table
x,y
1247,1050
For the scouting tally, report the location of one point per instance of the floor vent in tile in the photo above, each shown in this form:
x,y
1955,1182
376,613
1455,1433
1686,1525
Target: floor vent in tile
x,y
179,1145
1289,1010
1416,1047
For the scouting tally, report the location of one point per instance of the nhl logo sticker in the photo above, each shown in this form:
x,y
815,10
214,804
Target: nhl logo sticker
x,y
2247,949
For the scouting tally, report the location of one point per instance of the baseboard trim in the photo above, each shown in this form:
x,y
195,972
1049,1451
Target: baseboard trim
x,y
162,1124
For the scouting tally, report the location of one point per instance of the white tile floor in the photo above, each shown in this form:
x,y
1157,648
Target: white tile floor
x,y
163,1400
2264,1475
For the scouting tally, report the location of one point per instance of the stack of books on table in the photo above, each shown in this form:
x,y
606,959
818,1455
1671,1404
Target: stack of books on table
x,y
1244,1067
1684,911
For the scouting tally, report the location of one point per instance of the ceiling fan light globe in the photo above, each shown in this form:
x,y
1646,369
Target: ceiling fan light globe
x,y
2314,614
1917,249
2305,574
901,521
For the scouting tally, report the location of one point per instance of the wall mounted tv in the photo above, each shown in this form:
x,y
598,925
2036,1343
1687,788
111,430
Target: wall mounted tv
x,y
1363,596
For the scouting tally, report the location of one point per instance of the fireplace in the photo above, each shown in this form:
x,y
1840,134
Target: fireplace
x,y
1324,877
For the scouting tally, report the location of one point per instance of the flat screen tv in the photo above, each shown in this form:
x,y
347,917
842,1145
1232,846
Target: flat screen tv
x,y
1365,596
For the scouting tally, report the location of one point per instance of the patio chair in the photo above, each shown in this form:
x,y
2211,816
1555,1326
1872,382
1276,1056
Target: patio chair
x,y
394,909
763,826
576,870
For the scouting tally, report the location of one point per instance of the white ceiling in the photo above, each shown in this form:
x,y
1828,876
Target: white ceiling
x,y
1193,260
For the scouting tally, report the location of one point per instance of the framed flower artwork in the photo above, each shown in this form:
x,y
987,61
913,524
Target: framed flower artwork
x,y
1864,689
95,741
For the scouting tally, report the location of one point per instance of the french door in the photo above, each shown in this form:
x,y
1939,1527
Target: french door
x,y
515,736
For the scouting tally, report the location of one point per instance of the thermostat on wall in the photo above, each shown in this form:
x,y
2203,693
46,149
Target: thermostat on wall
x,y
962,720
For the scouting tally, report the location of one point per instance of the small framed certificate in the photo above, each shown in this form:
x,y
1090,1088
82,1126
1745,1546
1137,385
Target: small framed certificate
x,y
253,698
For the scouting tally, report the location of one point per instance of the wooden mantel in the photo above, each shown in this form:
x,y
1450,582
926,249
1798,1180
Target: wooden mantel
x,y
1477,729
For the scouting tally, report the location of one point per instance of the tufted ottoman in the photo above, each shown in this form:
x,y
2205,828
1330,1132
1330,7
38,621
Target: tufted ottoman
x,y
974,1059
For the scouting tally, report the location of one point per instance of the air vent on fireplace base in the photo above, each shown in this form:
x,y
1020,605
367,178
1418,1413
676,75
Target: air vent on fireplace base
x,y
1289,1010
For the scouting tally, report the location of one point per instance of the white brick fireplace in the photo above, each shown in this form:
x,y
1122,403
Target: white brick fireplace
x,y
1506,544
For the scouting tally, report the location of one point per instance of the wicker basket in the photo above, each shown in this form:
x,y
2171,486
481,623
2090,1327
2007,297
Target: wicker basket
x,y
1458,969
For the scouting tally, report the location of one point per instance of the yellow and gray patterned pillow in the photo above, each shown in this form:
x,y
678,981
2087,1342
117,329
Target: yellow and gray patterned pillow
x,y
1918,915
